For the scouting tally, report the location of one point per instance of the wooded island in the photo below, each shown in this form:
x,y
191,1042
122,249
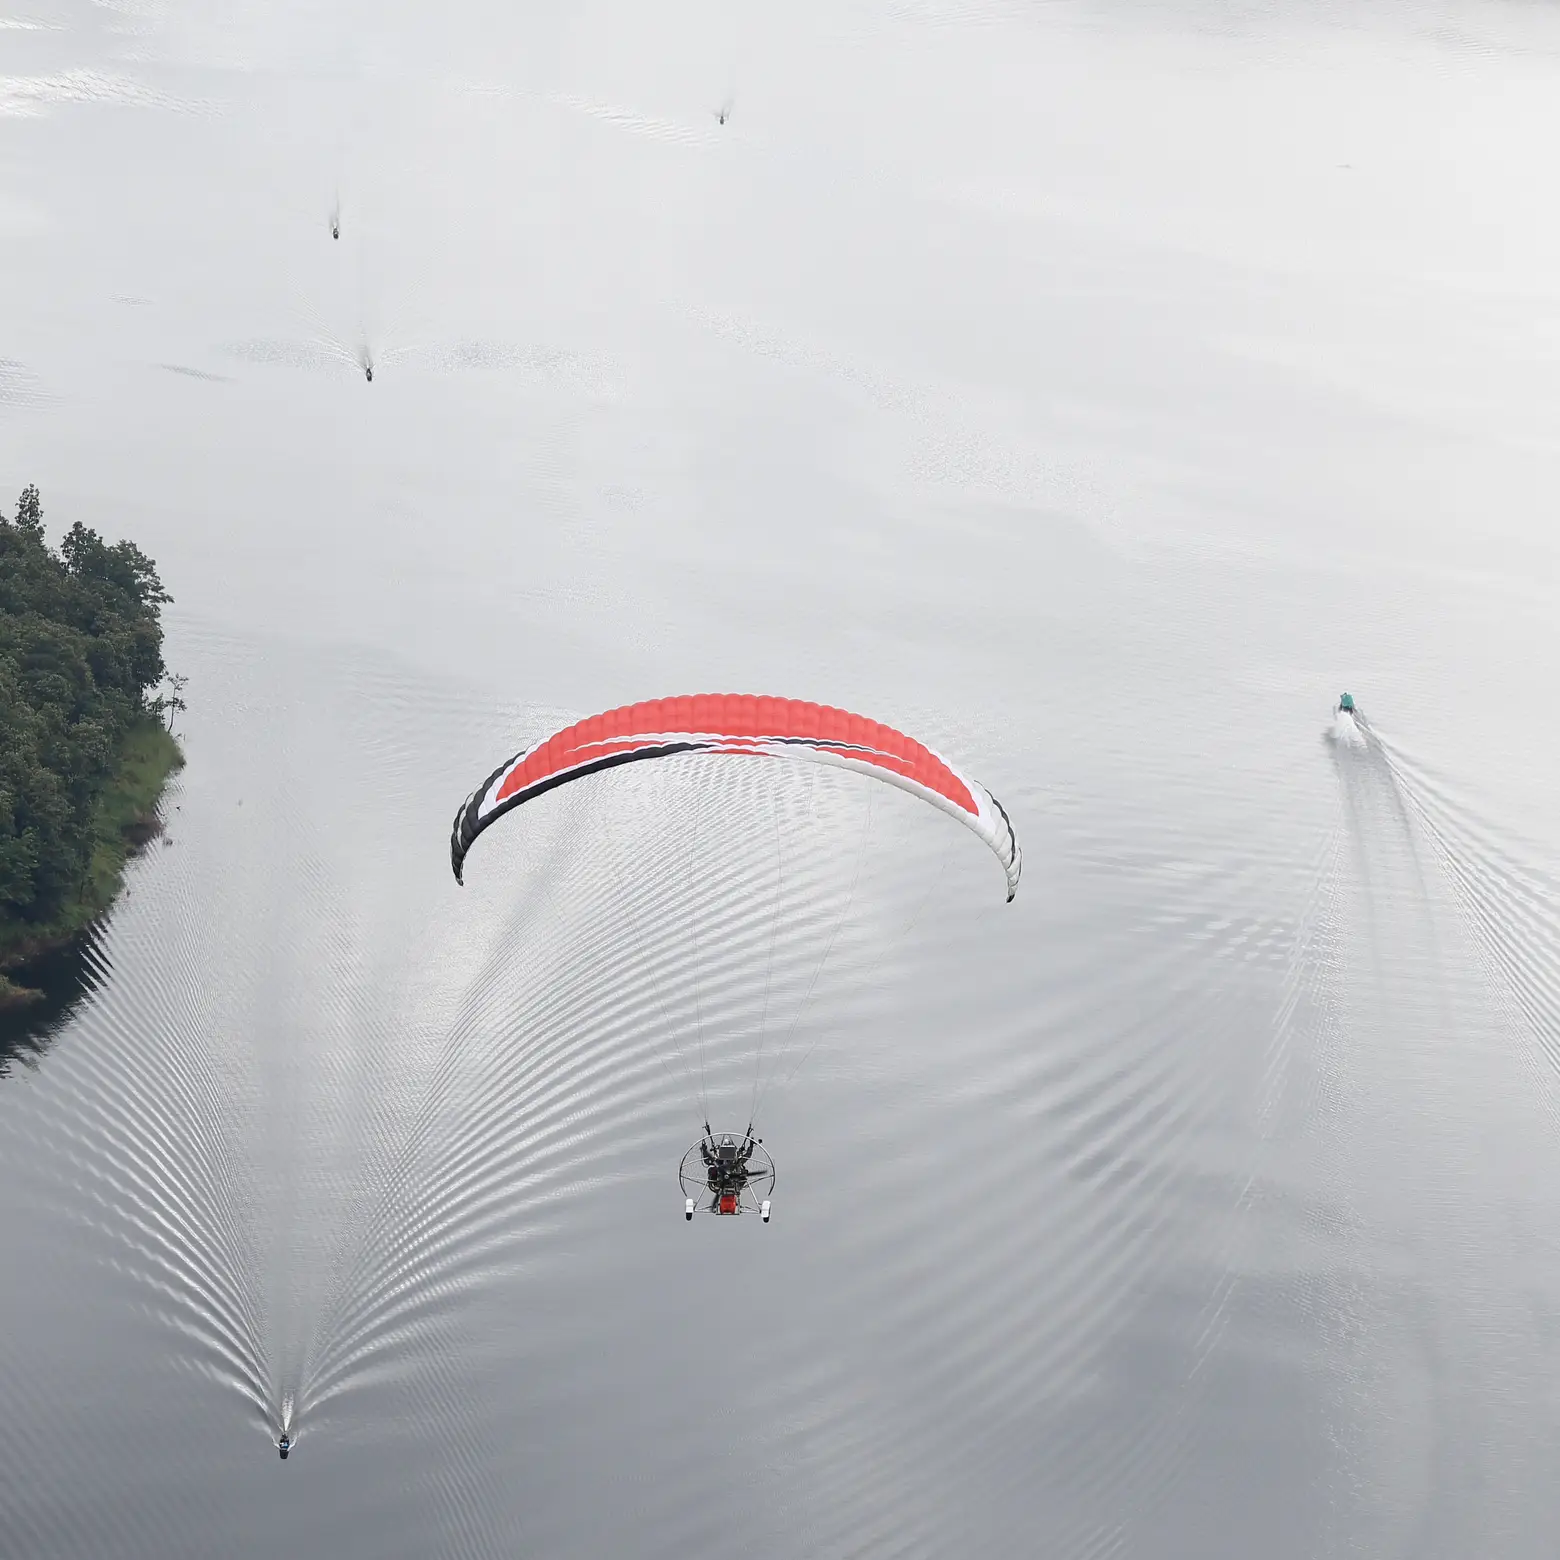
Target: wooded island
x,y
85,749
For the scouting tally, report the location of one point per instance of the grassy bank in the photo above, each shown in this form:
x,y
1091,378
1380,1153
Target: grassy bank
x,y
125,819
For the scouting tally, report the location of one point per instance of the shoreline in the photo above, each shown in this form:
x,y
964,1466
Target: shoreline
x,y
125,821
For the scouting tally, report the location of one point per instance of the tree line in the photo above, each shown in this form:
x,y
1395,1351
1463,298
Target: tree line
x,y
80,662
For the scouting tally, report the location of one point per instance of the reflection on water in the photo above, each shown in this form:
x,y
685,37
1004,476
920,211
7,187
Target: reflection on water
x,y
65,977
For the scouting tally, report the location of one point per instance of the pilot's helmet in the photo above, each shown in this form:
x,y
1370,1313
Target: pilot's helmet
x,y
728,1148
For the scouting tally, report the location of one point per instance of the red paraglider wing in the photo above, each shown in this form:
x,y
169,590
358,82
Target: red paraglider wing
x,y
738,724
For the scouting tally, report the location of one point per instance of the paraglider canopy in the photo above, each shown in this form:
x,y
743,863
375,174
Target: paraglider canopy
x,y
739,725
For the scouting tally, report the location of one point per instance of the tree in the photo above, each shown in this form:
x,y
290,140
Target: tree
x,y
29,512
173,704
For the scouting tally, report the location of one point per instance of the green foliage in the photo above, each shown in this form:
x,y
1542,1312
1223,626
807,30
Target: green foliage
x,y
80,651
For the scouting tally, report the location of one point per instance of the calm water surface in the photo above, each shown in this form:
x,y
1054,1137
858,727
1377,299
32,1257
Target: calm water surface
x,y
1095,391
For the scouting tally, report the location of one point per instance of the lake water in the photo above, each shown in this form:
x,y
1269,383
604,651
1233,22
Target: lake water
x,y
1096,393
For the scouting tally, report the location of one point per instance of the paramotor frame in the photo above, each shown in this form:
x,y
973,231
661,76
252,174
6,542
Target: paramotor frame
x,y
709,1188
